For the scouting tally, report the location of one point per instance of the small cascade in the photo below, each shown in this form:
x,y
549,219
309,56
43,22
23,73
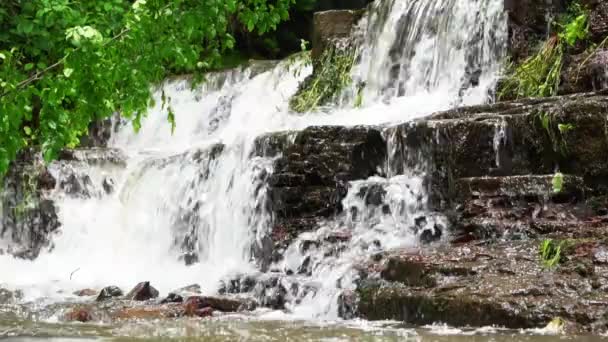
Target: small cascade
x,y
414,47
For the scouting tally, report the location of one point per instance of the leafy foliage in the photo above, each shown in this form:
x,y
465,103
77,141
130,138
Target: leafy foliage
x,y
65,63
331,76
550,252
558,182
540,75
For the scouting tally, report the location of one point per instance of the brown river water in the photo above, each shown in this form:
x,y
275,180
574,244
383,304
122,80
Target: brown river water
x,y
239,328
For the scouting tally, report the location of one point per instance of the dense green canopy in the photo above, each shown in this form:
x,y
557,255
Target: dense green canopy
x,y
67,63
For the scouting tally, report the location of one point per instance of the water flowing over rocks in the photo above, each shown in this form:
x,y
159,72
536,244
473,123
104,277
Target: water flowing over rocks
x,y
438,219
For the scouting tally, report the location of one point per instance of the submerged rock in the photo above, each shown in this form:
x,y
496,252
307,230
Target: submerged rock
x,y
82,315
109,293
142,291
85,292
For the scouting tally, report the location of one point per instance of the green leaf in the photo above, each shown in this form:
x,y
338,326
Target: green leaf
x,y
67,72
28,66
2,56
558,182
27,130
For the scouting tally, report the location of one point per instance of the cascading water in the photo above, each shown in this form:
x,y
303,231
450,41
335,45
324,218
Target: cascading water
x,y
198,195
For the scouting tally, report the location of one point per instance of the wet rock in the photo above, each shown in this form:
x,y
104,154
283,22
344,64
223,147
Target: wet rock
x,y
142,291
28,217
79,315
191,289
330,26
429,235
204,312
86,292
271,292
309,179
149,312
172,298
9,297
94,156
189,258
100,132
109,293
585,73
373,195
528,22
241,283
494,283
224,304
76,185
347,304
408,269
108,185
598,19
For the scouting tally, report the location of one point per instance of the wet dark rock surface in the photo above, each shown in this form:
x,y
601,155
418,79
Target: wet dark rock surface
x,y
109,292
479,284
28,217
142,291
311,174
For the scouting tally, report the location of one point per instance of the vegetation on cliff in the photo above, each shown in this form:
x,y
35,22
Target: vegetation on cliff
x,y
65,64
540,74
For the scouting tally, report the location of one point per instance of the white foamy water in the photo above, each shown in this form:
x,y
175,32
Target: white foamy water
x,y
200,190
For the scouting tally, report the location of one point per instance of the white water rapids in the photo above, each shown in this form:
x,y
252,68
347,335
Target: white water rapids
x,y
415,57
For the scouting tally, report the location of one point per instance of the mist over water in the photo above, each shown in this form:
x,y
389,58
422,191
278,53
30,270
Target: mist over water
x,y
202,191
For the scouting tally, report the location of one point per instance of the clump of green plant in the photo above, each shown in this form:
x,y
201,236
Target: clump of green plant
x,y
540,75
331,76
557,133
551,252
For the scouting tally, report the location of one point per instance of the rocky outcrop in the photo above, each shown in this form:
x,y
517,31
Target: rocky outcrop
x,y
28,216
528,24
501,284
332,26
585,72
142,291
310,177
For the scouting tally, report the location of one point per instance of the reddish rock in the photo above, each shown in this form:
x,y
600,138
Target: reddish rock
x,y
79,315
142,291
204,312
224,304
150,312
85,292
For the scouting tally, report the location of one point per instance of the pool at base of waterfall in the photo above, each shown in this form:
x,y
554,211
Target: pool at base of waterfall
x,y
247,328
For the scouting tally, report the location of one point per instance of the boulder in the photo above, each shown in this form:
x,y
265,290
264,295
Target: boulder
x,y
332,26
142,291
109,292
79,314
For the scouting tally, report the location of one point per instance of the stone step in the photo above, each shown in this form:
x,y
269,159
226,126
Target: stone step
x,y
504,284
517,206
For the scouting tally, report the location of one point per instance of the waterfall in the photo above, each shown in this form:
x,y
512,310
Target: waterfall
x,y
198,196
